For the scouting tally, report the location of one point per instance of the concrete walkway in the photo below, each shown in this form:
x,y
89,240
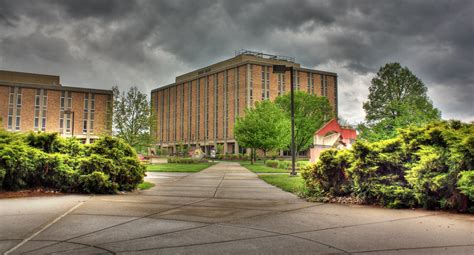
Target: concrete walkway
x,y
224,209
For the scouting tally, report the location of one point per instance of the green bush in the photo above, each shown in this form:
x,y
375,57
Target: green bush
x,y
329,176
466,183
97,182
284,164
48,161
378,172
179,160
272,163
429,166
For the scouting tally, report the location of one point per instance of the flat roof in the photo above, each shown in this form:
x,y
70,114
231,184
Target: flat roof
x,y
235,62
53,87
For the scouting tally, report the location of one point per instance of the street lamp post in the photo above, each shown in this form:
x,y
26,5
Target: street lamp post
x,y
283,69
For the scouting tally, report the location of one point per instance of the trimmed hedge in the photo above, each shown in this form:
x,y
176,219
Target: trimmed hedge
x,y
49,161
429,166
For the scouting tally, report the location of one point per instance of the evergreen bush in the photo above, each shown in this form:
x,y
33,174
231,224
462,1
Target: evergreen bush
x,y
428,166
49,161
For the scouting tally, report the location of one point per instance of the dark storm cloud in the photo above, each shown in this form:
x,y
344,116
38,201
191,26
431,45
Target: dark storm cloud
x,y
101,43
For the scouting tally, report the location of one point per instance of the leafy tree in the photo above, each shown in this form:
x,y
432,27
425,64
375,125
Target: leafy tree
x,y
311,113
263,127
132,117
397,98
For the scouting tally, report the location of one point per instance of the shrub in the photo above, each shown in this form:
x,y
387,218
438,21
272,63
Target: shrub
x,y
47,142
97,182
46,160
329,176
18,163
57,172
466,183
179,160
272,163
378,169
284,164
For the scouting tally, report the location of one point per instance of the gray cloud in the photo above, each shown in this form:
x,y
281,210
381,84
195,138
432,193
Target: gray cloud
x,y
101,43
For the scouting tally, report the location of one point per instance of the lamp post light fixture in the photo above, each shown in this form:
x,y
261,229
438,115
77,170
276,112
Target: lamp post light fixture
x,y
282,69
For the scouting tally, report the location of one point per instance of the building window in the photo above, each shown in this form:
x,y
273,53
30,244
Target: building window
x,y
18,108
263,83
206,110
268,82
182,112
41,99
190,110
324,89
312,83
110,110
162,114
11,97
65,118
92,113
45,106
85,115
216,105
226,103
251,86
198,107
297,80
168,118
237,95
281,84
175,103
37,109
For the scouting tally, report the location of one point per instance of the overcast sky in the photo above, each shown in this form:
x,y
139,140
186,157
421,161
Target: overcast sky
x,y
147,43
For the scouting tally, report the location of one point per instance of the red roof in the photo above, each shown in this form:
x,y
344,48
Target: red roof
x,y
333,125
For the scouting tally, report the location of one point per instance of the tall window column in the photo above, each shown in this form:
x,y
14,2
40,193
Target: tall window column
x,y
14,108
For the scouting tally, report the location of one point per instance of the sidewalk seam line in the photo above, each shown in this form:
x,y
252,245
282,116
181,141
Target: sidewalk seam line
x,y
43,228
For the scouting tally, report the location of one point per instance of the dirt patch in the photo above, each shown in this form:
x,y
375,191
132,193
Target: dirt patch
x,y
28,193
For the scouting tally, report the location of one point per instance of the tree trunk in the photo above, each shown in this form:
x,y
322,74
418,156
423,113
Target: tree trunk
x,y
264,157
251,156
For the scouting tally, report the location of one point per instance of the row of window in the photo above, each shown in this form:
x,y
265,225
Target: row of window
x,y
40,110
217,94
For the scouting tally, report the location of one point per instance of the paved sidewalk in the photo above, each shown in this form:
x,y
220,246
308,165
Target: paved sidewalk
x,y
224,209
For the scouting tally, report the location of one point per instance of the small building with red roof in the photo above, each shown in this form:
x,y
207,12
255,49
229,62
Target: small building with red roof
x,y
331,135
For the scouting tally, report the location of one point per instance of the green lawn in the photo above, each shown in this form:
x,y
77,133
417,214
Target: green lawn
x,y
175,167
146,185
293,184
259,167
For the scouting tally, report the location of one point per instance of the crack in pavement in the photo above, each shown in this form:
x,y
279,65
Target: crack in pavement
x,y
122,223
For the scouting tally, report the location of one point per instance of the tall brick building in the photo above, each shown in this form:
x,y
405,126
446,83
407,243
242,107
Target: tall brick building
x,y
38,102
201,107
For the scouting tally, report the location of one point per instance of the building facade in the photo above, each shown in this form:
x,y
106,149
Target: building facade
x,y
38,102
201,107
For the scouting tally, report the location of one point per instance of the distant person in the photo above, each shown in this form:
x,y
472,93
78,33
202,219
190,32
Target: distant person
x,y
213,154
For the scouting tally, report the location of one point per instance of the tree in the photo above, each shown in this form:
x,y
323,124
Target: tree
x,y
397,98
311,113
263,127
132,117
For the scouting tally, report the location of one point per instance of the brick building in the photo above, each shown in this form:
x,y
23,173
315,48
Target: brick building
x,y
201,107
38,102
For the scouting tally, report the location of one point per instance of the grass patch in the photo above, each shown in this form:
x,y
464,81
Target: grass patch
x,y
145,185
293,184
260,167
176,167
